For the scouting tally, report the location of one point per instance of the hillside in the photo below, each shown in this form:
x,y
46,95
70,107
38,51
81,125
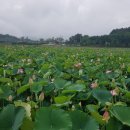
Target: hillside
x,y
8,39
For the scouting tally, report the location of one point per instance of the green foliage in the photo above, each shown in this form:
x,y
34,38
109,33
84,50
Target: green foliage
x,y
64,88
117,38
11,118
81,121
101,95
52,119
122,114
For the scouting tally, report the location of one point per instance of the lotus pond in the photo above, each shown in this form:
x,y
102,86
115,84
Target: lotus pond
x,y
64,88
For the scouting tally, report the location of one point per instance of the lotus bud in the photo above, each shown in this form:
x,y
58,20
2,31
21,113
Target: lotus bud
x,y
78,65
29,60
114,92
52,80
73,107
28,98
41,96
80,104
98,60
91,60
34,77
123,66
94,85
80,72
106,116
10,98
51,100
30,81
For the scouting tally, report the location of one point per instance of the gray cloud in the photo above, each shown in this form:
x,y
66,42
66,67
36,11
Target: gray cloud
x,y
47,18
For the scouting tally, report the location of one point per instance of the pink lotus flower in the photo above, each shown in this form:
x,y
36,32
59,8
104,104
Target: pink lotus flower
x,y
114,92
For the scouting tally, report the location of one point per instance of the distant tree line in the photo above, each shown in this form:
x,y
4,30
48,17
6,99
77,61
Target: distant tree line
x,y
8,39
116,38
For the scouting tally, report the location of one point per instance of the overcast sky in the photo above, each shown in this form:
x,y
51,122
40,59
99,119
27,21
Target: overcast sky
x,y
47,18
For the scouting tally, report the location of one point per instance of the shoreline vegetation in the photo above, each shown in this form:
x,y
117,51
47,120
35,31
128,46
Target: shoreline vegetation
x,y
116,38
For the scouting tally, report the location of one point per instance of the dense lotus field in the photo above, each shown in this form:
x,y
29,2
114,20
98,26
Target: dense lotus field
x,y
62,88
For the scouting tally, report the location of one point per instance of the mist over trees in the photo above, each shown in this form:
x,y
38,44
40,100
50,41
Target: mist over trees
x,y
116,38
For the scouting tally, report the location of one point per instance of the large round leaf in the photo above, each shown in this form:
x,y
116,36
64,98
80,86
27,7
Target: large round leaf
x,y
11,118
102,95
82,121
5,91
52,119
122,113
36,88
113,124
59,83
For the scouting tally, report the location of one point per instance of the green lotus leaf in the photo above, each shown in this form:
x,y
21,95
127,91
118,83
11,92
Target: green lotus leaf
x,y
113,124
59,83
102,95
76,87
62,99
11,117
22,89
122,113
52,119
36,88
82,121
5,92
